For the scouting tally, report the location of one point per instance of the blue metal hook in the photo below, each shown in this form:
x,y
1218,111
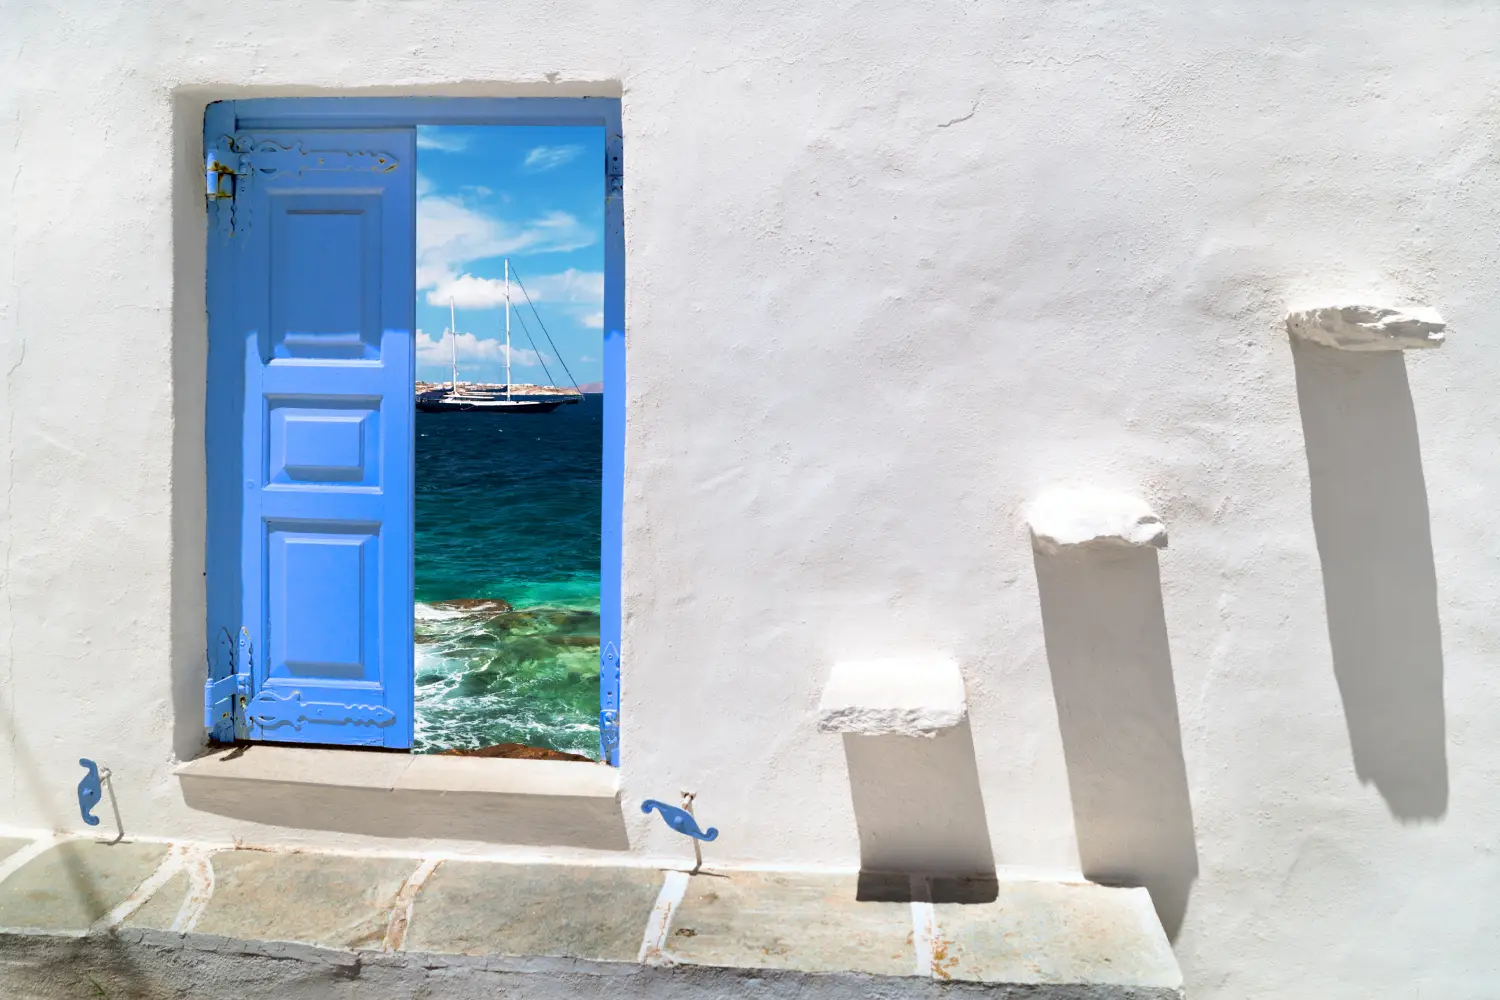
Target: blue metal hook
x,y
89,792
680,820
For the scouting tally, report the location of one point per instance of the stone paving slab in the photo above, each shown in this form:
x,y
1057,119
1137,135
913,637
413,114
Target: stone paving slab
x,y
1077,941
192,967
1048,932
478,908
813,923
75,883
330,900
10,845
162,908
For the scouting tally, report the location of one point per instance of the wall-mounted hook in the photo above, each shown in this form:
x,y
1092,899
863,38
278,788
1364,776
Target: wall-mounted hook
x,y
680,820
90,791
683,821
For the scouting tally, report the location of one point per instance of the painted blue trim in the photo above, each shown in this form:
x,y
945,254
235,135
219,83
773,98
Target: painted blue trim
x,y
613,485
222,443
226,390
399,112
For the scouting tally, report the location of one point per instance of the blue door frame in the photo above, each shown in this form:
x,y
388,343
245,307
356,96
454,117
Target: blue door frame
x,y
226,382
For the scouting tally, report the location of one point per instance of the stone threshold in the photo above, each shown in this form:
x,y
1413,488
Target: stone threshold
x,y
544,803
165,920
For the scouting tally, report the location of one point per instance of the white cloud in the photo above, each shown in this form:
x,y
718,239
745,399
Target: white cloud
x,y
544,158
469,292
437,352
442,140
593,320
571,286
452,233
587,359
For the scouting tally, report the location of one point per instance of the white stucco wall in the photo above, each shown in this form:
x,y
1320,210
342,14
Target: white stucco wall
x,y
893,269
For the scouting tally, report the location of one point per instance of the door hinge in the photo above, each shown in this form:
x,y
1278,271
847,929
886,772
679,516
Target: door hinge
x,y
614,167
219,177
609,736
224,700
609,704
269,710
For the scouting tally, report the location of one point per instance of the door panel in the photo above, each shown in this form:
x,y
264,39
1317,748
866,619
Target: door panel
x,y
324,293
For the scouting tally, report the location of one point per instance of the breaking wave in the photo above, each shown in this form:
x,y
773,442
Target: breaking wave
x,y
488,673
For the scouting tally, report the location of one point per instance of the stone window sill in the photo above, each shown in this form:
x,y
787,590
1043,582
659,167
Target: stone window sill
x,y
535,802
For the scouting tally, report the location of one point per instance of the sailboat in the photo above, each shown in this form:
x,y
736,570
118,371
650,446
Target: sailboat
x,y
487,400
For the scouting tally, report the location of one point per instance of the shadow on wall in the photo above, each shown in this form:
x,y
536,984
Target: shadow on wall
x,y
188,627
1369,511
919,810
82,887
1106,638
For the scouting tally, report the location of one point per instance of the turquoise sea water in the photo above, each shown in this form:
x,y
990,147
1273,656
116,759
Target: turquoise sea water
x,y
507,579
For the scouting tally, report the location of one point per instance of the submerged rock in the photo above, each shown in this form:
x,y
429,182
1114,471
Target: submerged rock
x,y
517,751
478,682
566,618
481,605
575,641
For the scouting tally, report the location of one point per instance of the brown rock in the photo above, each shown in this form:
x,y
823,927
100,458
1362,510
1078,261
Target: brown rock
x,y
574,641
517,751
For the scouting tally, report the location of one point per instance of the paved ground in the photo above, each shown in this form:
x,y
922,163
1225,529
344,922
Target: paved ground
x,y
79,918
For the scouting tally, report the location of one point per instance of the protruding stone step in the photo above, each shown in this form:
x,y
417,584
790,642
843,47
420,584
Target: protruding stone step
x,y
1368,328
1089,518
896,697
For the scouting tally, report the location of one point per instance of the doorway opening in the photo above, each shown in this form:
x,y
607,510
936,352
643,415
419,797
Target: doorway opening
x,y
508,457
414,522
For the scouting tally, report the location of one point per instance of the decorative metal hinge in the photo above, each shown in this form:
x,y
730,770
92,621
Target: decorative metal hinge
x,y
609,704
224,697
219,175
609,735
269,709
239,160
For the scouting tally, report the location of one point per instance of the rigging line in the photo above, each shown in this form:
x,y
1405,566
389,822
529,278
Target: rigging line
x,y
542,325
540,359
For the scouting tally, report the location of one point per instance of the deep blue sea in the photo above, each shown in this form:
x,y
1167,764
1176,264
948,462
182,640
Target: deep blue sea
x,y
508,511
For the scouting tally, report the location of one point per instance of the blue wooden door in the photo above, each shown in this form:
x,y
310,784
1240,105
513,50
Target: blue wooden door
x,y
324,299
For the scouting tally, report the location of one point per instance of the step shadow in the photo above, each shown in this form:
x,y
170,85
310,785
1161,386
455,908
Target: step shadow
x,y
1370,516
919,810
1106,637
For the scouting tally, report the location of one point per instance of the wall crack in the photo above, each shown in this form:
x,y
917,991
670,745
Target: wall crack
x,y
974,110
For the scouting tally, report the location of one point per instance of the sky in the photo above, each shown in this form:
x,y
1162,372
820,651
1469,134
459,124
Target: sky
x,y
534,194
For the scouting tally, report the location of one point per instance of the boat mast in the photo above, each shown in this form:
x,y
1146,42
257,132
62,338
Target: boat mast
x,y
507,328
453,343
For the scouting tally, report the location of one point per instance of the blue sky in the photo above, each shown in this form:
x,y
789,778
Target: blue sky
x,y
534,194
